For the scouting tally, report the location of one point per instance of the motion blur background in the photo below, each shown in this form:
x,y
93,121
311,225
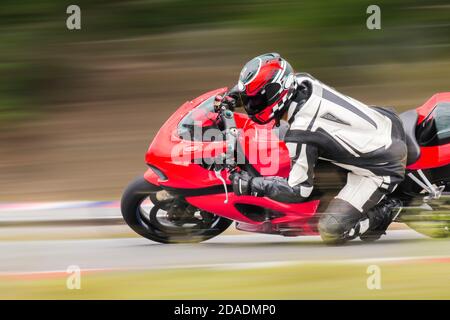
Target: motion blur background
x,y
78,108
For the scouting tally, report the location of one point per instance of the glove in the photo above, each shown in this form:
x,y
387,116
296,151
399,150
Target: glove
x,y
228,101
241,183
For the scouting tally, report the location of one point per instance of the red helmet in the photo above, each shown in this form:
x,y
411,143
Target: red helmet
x,y
268,82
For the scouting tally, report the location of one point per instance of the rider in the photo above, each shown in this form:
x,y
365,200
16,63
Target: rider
x,y
368,142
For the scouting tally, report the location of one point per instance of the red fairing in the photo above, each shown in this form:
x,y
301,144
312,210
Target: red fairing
x,y
424,110
167,146
298,215
151,177
434,156
262,148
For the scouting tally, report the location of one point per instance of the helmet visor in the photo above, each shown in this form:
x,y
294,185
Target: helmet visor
x,y
256,104
260,101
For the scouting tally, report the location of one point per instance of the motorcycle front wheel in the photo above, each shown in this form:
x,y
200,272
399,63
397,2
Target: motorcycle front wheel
x,y
157,222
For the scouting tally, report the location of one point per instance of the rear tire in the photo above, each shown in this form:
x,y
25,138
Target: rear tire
x,y
432,223
136,193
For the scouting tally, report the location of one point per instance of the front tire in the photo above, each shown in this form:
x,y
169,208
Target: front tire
x,y
205,227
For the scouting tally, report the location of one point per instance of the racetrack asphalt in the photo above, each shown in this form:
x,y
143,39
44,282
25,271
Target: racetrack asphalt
x,y
227,250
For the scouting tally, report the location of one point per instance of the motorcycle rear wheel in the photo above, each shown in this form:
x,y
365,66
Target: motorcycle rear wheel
x,y
200,227
433,223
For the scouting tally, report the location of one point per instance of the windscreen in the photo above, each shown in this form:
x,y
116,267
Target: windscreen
x,y
200,124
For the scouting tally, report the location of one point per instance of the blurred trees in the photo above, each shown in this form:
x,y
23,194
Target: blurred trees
x,y
36,52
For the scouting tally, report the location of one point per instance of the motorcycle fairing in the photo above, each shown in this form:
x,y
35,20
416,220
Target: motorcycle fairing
x,y
436,155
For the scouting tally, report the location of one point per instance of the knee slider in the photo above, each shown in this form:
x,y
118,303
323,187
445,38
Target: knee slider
x,y
331,224
334,228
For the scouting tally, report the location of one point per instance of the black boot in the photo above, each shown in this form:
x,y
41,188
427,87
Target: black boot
x,y
380,217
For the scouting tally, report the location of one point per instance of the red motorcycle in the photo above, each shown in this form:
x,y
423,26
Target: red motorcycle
x,y
186,196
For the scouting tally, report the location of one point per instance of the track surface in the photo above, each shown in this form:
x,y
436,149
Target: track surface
x,y
139,253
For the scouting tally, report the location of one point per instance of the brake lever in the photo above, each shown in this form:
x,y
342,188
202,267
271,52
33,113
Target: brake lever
x,y
217,172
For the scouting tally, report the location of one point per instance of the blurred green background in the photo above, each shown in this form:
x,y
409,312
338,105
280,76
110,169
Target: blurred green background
x,y
78,108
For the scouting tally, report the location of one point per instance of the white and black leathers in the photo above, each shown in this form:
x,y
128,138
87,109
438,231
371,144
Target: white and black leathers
x,y
327,125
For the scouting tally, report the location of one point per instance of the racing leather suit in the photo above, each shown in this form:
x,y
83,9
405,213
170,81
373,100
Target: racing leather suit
x,y
369,142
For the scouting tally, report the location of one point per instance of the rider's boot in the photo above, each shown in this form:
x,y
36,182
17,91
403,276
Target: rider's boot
x,y
380,217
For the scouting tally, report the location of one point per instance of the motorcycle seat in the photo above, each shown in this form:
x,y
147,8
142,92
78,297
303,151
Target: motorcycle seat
x,y
409,120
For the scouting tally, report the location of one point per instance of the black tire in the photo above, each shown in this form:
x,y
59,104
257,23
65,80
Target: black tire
x,y
433,223
136,192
